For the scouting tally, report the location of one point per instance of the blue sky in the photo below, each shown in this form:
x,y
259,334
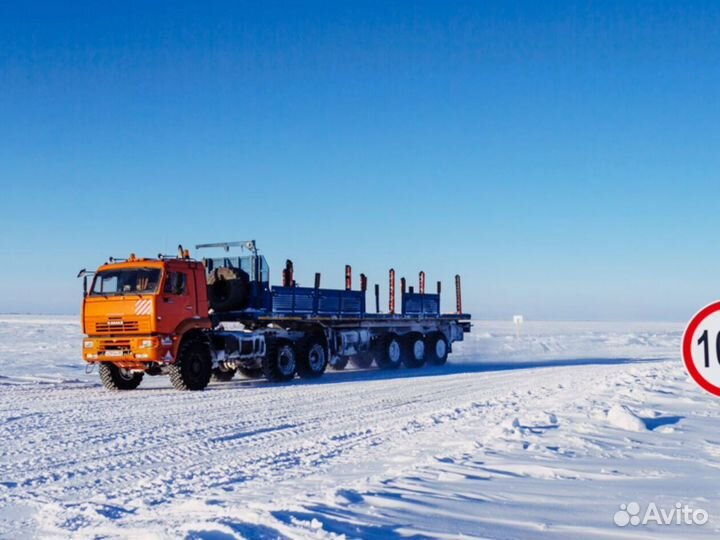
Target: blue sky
x,y
562,157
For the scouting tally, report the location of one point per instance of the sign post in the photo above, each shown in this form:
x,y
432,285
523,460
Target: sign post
x,y
518,321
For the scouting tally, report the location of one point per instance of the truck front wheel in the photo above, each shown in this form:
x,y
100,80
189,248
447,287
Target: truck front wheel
x,y
193,368
117,378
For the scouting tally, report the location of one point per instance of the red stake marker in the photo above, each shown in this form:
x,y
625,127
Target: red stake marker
x,y
392,291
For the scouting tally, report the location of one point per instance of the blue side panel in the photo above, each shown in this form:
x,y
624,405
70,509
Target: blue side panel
x,y
323,302
304,301
420,304
350,304
282,301
328,302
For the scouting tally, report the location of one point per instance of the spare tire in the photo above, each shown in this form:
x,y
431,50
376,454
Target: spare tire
x,y
228,289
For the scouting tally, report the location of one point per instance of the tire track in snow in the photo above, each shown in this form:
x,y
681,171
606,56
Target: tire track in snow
x,y
155,446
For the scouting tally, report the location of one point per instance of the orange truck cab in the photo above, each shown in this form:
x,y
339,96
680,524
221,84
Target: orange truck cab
x,y
137,312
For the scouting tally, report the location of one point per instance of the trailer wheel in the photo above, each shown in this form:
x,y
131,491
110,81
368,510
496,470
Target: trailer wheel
x,y
313,360
437,348
193,368
117,378
388,352
362,360
251,373
338,363
280,361
413,350
223,374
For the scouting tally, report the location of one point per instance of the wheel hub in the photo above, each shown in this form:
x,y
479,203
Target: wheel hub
x,y
316,357
440,348
418,349
286,361
126,374
394,351
195,365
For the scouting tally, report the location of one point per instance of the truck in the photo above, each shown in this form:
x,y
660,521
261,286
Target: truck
x,y
197,320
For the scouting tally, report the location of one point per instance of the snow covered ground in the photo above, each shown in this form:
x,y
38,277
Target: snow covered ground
x,y
541,436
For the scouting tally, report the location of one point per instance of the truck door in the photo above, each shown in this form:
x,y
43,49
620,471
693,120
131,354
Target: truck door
x,y
179,290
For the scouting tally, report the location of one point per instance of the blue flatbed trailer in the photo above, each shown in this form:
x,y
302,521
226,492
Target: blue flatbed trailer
x,y
305,329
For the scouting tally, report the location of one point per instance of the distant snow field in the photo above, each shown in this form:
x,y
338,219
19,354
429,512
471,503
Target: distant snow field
x,y
542,435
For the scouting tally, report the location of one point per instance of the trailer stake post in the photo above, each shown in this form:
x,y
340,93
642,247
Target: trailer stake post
x,y
403,284
422,282
348,277
288,274
392,291
458,295
363,282
377,298
317,280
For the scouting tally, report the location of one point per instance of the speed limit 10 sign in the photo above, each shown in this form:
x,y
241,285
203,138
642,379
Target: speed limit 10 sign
x,y
701,348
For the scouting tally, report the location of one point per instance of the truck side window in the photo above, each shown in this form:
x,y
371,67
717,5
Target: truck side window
x,y
175,283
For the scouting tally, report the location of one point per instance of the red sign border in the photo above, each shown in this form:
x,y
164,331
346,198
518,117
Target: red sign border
x,y
699,317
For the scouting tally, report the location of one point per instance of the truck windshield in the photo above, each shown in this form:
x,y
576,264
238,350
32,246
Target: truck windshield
x,y
126,281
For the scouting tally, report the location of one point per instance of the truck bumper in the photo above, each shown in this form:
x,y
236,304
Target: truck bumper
x,y
129,352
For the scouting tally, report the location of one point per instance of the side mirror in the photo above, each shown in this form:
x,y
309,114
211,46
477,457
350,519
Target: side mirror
x,y
85,286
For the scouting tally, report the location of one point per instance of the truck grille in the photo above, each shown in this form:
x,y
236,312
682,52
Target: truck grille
x,y
116,326
115,345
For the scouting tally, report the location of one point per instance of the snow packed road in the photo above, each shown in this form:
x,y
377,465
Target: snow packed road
x,y
542,435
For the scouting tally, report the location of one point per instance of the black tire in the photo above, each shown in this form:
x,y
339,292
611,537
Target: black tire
x,y
251,373
313,359
436,349
223,374
193,368
413,355
116,378
339,363
280,361
362,360
228,289
387,352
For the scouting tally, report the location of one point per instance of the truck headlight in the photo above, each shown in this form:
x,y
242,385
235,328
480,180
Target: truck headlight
x,y
147,343
88,344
